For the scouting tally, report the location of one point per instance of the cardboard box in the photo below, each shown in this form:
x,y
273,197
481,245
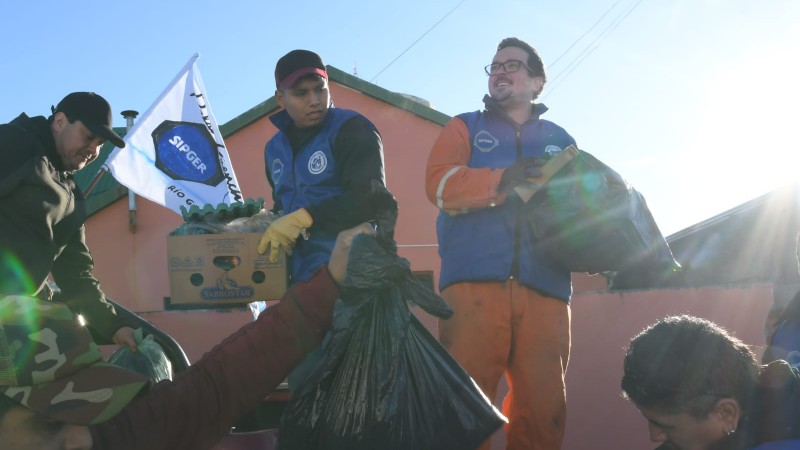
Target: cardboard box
x,y
214,269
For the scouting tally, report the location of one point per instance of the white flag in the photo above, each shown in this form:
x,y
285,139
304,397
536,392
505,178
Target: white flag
x,y
174,155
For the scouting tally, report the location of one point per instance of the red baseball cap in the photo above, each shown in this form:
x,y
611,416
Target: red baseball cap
x,y
295,64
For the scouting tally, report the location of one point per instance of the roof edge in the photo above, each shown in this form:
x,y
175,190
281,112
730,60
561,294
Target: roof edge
x,y
347,80
393,98
97,201
791,188
251,115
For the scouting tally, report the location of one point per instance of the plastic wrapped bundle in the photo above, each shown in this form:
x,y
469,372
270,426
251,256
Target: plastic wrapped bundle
x,y
238,217
149,360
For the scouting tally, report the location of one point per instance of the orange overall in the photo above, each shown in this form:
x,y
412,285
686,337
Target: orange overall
x,y
507,328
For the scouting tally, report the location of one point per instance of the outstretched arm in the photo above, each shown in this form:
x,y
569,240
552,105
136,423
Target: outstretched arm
x,y
202,404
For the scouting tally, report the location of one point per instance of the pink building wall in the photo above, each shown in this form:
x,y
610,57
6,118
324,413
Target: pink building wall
x,y
602,325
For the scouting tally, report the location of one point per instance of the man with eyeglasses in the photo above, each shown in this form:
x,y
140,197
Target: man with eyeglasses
x,y
511,305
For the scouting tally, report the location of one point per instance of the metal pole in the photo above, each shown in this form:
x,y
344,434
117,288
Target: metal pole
x,y
129,115
94,181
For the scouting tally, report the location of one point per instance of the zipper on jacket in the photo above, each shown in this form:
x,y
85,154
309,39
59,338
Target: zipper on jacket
x,y
517,217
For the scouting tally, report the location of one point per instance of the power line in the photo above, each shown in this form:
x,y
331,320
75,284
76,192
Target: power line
x,y
589,49
585,33
418,39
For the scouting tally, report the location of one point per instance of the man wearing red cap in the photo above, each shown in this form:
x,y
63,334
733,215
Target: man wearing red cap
x,y
42,210
320,165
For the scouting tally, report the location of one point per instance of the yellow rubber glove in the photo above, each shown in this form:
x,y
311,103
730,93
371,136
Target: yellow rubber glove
x,y
283,233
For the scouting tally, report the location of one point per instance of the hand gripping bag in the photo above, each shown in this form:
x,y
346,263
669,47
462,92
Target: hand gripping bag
x,y
384,381
149,360
587,218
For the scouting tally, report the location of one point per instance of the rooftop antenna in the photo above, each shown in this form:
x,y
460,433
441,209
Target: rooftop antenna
x,y
355,70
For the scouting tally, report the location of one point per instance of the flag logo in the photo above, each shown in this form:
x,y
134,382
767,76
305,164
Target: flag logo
x,y
187,151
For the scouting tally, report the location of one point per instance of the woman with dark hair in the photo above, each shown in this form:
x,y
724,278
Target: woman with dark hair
x,y
700,388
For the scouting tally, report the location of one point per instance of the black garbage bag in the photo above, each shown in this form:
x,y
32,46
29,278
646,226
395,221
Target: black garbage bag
x,y
149,360
384,382
587,218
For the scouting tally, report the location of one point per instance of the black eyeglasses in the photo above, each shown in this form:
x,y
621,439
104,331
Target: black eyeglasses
x,y
510,66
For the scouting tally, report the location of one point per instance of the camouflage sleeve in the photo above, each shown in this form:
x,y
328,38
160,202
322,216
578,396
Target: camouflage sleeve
x,y
202,404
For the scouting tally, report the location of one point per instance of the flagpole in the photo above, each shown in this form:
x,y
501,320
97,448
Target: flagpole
x,y
94,181
129,115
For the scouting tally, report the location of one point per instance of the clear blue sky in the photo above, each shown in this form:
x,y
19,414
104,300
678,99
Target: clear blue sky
x,y
695,102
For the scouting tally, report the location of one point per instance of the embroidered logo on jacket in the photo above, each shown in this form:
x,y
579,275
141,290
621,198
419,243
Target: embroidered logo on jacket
x,y
317,163
485,142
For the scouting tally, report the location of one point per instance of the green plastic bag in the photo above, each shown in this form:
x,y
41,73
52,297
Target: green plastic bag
x,y
149,361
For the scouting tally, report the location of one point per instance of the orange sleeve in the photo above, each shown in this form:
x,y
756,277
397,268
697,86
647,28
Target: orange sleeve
x,y
449,183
